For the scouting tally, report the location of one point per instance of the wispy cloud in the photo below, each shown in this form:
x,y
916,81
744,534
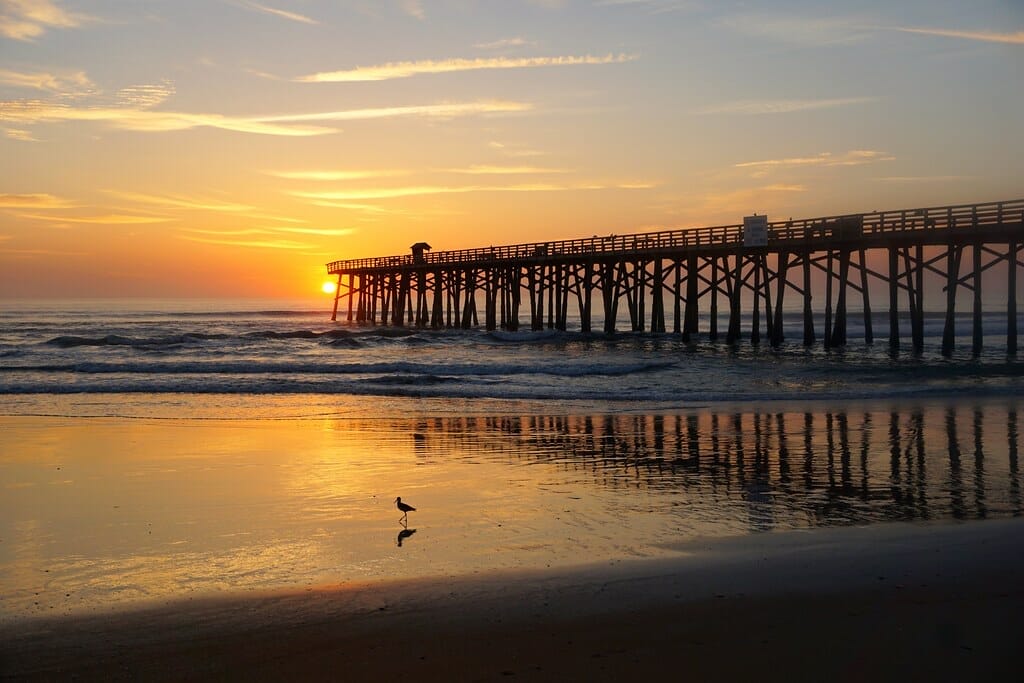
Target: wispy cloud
x,y
923,178
335,175
417,190
34,201
229,233
276,219
322,232
109,219
20,134
653,6
984,36
42,80
798,30
392,70
414,8
506,170
501,44
284,14
449,110
514,151
28,19
731,202
353,206
27,112
40,252
255,244
854,157
753,107
782,187
183,202
146,95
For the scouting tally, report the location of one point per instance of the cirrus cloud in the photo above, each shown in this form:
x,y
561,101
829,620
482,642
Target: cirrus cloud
x,y
417,190
1016,38
34,201
393,70
754,107
42,80
27,112
29,19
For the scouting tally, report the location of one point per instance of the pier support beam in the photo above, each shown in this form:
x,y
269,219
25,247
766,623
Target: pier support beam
x,y
894,314
976,308
713,312
918,327
783,267
736,287
828,299
755,320
337,295
869,333
657,299
1011,300
839,329
690,323
952,276
808,311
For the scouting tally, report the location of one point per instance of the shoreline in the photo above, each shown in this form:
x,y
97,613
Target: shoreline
x,y
350,407
893,600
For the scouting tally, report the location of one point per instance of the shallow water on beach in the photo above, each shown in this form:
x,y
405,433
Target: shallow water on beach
x,y
189,496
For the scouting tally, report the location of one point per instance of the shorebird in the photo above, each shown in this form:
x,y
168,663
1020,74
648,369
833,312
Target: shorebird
x,y
404,507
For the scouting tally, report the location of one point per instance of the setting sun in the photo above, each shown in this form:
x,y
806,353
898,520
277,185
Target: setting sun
x,y
329,287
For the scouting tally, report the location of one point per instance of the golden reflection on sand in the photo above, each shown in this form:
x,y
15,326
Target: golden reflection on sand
x,y
103,512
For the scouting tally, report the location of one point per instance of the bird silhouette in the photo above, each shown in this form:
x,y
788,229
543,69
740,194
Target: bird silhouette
x,y
405,508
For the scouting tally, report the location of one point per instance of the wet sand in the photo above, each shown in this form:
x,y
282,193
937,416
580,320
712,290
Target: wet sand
x,y
886,602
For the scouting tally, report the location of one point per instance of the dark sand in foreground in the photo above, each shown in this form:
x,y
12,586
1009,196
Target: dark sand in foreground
x,y
897,602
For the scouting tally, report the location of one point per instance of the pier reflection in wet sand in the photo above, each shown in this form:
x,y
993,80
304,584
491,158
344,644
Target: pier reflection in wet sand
x,y
787,469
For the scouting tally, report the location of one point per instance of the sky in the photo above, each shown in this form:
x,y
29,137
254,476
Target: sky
x,y
231,148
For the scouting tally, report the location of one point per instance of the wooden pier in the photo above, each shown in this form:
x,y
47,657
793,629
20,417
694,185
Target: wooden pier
x,y
671,276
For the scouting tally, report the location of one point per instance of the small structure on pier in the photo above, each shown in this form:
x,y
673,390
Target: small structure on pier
x,y
418,252
684,272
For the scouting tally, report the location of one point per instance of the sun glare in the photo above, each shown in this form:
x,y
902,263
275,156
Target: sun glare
x,y
329,287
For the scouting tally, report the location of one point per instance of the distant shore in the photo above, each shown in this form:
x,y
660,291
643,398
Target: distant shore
x,y
885,602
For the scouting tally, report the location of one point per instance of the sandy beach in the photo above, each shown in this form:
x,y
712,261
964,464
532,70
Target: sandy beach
x,y
884,603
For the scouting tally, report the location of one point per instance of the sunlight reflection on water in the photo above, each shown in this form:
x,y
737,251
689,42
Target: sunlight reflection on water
x,y
104,512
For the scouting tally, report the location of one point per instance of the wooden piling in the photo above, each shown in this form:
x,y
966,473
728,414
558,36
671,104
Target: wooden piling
x,y
691,323
782,268
918,331
976,336
839,329
808,312
869,333
952,275
755,319
894,314
828,299
1011,300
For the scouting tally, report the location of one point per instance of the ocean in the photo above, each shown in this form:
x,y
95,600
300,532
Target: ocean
x,y
156,451
264,349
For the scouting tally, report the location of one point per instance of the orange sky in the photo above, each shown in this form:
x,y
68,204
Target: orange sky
x,y
232,148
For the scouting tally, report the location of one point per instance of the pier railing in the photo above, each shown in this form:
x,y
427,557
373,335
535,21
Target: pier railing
x,y
802,231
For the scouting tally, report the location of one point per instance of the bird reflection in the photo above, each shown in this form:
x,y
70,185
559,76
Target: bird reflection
x,y
404,534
